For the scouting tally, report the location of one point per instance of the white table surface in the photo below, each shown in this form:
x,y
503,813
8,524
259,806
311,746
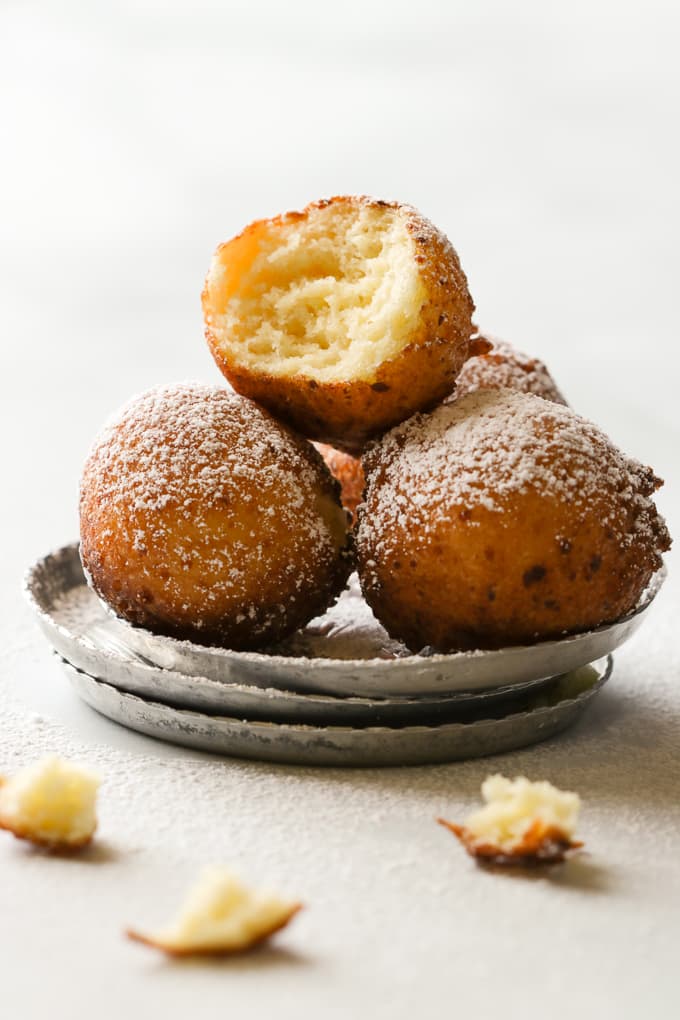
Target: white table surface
x,y
135,137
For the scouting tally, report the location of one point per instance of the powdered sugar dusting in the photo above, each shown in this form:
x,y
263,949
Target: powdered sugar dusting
x,y
207,477
505,366
178,444
347,631
482,449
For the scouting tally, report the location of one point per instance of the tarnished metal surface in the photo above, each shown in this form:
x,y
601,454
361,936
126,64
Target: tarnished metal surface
x,y
83,632
345,745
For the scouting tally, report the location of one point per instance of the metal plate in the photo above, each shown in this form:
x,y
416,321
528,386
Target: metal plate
x,y
57,591
86,635
274,704
543,717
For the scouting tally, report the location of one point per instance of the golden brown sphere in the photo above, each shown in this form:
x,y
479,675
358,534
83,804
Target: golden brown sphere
x,y
503,519
203,518
504,366
342,319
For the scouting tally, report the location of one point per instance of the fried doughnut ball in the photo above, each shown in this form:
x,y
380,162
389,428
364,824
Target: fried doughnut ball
x,y
503,519
342,319
348,472
203,518
505,366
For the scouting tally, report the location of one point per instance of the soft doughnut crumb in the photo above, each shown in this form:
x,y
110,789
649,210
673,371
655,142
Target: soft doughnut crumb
x,y
220,916
51,803
342,319
522,822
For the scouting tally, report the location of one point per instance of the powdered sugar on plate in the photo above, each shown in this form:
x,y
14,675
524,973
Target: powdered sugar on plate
x,y
349,630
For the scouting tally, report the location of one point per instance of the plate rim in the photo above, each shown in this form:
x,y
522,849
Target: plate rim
x,y
648,596
302,728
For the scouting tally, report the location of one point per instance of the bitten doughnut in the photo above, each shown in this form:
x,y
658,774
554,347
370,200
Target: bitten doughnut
x,y
201,517
503,519
505,366
349,474
342,319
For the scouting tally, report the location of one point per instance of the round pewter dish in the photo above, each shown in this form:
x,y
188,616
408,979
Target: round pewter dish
x,y
546,714
345,654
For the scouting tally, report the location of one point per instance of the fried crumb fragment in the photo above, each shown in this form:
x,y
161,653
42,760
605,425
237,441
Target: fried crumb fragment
x,y
220,916
521,823
51,803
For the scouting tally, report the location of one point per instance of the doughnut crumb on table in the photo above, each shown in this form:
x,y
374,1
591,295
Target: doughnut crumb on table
x,y
343,319
503,519
204,518
521,823
51,803
219,917
504,366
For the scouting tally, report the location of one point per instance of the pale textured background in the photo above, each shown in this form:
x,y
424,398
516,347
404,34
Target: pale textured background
x,y
543,139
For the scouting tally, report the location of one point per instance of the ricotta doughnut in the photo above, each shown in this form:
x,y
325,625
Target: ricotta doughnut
x,y
347,470
342,319
503,519
504,366
203,518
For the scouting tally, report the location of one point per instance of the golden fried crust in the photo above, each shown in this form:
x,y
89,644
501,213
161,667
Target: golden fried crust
x,y
484,555
484,583
348,472
540,844
203,518
178,951
347,414
496,364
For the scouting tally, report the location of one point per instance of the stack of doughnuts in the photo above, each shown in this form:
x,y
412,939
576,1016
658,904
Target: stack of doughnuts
x,y
367,425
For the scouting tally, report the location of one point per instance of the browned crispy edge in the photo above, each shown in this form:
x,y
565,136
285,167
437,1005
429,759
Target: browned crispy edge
x,y
173,951
53,845
540,844
348,414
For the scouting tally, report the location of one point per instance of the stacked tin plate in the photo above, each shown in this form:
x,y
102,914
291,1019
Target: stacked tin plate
x,y
338,693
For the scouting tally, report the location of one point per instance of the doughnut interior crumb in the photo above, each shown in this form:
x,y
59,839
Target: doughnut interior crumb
x,y
220,916
522,822
330,295
51,803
